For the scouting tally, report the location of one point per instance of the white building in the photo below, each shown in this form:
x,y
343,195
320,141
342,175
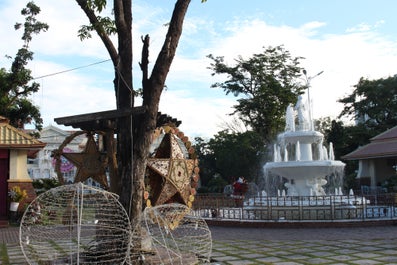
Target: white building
x,y
43,166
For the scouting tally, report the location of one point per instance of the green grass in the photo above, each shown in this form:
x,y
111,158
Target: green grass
x,y
4,254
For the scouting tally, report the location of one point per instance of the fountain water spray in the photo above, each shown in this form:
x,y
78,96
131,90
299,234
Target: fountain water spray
x,y
306,173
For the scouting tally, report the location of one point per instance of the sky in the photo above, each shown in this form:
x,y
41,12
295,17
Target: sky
x,y
346,40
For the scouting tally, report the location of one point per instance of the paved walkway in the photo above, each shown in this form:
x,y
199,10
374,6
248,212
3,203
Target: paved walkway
x,y
280,246
287,246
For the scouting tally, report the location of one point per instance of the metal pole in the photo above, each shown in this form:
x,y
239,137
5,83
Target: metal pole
x,y
308,80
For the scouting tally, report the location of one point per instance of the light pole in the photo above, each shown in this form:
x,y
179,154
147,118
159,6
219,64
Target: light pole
x,y
308,80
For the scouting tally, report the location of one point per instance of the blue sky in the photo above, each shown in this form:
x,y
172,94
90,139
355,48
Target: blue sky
x,y
347,39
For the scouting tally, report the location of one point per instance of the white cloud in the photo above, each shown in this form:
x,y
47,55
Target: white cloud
x,y
344,58
359,51
362,27
201,117
70,94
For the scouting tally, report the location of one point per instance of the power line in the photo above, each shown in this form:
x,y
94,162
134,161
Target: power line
x,y
69,70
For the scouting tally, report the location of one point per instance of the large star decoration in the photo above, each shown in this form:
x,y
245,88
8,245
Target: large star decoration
x,y
89,163
170,167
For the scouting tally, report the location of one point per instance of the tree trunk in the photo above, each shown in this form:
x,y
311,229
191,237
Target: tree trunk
x,y
152,89
124,99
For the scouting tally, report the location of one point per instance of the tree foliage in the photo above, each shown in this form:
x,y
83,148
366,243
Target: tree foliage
x,y
266,83
322,125
16,84
373,103
230,155
207,160
345,140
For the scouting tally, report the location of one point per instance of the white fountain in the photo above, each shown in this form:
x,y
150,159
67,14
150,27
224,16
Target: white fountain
x,y
311,179
303,166
308,178
300,156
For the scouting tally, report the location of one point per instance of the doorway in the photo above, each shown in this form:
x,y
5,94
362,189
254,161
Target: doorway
x,y
3,182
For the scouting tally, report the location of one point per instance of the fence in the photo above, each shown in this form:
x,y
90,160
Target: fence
x,y
297,208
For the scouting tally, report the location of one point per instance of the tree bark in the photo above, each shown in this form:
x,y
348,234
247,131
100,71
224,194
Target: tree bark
x,y
124,100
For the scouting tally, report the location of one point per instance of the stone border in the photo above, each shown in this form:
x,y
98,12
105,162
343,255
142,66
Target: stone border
x,y
300,224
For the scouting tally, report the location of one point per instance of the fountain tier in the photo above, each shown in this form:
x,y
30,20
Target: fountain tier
x,y
300,157
305,178
303,141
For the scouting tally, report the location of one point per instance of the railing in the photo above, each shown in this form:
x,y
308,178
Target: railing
x,y
297,208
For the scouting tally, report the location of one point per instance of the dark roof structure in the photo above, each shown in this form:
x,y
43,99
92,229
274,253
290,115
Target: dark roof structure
x,y
108,119
383,145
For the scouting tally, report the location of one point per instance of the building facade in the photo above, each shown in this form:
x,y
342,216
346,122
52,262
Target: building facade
x,y
15,145
377,162
43,164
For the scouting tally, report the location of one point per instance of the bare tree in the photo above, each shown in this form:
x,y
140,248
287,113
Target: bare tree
x,y
133,139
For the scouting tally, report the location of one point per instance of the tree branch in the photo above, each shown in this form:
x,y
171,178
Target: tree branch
x,y
100,31
167,53
123,20
145,62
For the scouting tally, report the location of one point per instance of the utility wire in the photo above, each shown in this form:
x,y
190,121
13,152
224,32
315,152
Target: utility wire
x,y
69,70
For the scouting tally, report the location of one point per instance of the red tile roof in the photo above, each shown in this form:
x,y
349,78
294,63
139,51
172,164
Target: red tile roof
x,y
382,145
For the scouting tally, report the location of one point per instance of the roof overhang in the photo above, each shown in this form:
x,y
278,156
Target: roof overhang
x,y
373,150
12,138
108,119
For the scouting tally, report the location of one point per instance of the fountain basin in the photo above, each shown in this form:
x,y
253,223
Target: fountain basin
x,y
303,169
304,137
305,178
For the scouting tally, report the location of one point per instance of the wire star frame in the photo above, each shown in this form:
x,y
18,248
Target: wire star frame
x,y
75,224
79,224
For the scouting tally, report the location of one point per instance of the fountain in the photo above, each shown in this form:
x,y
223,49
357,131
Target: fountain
x,y
303,182
306,163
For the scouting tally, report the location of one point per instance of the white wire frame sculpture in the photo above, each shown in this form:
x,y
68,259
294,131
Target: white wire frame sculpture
x,y
75,224
176,235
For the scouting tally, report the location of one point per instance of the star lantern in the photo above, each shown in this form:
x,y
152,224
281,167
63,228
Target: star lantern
x,y
89,163
172,169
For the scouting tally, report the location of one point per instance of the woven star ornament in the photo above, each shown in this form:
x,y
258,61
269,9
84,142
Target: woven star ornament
x,y
170,170
90,163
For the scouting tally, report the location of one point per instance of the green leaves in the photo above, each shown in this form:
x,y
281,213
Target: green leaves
x,y
97,5
373,102
31,25
106,23
102,25
265,84
16,85
228,155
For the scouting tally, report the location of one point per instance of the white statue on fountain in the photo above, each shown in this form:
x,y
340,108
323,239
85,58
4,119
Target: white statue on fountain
x,y
291,189
316,186
303,119
290,119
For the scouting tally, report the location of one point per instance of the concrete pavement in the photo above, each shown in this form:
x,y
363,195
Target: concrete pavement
x,y
280,246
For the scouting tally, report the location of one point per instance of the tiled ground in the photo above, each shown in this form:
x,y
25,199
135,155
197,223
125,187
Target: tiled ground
x,y
243,246
305,252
